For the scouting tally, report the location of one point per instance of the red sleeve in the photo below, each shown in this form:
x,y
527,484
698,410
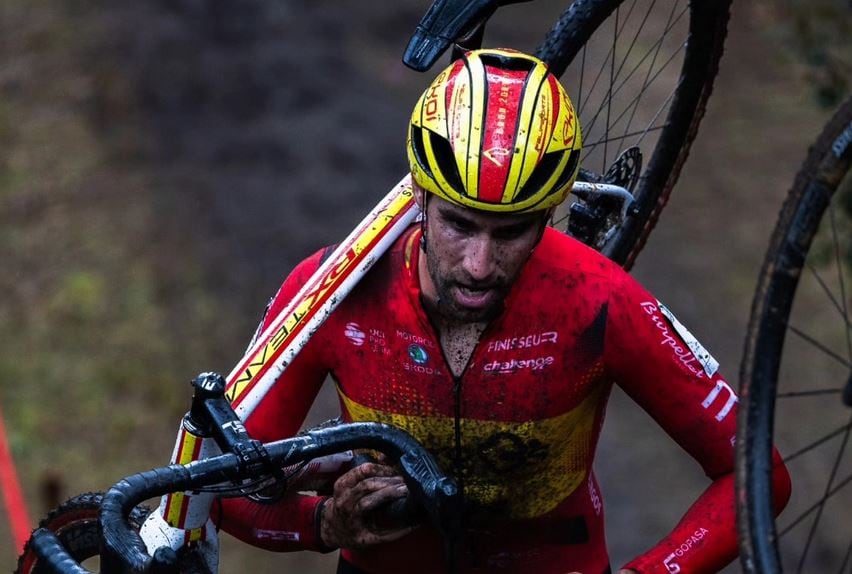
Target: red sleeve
x,y
290,523
661,366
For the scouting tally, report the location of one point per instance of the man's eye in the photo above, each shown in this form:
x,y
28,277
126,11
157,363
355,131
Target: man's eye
x,y
511,232
461,226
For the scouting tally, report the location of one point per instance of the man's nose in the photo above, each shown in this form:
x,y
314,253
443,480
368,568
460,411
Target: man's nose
x,y
479,258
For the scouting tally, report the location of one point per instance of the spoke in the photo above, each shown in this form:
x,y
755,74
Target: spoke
x,y
846,559
827,291
828,486
791,394
580,100
595,83
840,278
606,59
654,49
639,29
629,51
591,146
815,506
816,443
819,346
654,119
635,101
611,82
633,104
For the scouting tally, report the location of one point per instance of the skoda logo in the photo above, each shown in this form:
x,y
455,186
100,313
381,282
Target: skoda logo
x,y
418,354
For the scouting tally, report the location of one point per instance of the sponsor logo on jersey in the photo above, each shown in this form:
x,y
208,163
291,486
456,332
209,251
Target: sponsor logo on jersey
x,y
418,354
353,332
691,355
512,365
597,504
687,545
277,535
525,342
422,369
412,338
723,397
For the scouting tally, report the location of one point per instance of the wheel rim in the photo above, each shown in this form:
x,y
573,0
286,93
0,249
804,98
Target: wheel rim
x,y
805,312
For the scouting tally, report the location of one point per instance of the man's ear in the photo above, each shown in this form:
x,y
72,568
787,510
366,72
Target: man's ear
x,y
418,194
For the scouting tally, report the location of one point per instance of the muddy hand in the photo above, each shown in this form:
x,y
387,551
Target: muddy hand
x,y
345,521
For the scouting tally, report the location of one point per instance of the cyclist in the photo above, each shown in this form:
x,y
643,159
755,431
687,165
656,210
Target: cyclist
x,y
495,340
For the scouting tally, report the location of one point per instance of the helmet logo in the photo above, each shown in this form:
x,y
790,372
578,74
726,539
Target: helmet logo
x,y
544,123
568,125
497,155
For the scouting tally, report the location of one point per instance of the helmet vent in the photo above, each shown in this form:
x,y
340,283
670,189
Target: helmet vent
x,y
570,169
445,161
540,175
545,170
509,63
419,151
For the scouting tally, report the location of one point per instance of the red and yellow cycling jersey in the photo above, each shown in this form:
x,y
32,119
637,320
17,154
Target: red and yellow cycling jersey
x,y
519,427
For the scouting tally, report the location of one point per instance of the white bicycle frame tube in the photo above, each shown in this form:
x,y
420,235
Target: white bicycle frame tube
x,y
279,343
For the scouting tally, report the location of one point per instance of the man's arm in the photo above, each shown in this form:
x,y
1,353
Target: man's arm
x,y
290,523
666,371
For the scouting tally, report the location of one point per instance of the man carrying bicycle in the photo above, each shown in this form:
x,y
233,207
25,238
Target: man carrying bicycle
x,y
494,340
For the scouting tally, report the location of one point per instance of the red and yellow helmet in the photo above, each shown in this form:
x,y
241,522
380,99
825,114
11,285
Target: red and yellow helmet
x,y
495,132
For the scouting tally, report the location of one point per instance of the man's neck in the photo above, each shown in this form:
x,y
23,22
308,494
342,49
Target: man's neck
x,y
458,338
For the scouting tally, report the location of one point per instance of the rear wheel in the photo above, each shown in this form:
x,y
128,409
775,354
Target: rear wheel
x,y
802,382
639,73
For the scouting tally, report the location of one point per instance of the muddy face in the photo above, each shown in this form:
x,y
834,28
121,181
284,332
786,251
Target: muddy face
x,y
473,257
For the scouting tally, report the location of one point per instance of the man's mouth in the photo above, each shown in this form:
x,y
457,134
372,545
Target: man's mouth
x,y
475,297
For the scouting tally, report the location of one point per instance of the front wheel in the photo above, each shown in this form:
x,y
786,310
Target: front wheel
x,y
796,390
75,523
639,74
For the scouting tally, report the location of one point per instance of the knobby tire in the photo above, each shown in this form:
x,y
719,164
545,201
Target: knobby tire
x,y
813,200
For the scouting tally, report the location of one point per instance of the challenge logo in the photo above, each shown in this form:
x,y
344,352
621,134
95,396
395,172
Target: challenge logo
x,y
512,365
418,354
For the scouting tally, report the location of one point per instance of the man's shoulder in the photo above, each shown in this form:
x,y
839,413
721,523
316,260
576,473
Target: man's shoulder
x,y
563,253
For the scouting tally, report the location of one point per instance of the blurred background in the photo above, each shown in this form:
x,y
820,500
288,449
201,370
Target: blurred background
x,y
164,164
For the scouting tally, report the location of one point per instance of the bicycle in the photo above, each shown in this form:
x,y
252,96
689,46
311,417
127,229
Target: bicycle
x,y
616,206
802,290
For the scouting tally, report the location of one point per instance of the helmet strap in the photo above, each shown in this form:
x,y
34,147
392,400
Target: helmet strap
x,y
548,214
423,217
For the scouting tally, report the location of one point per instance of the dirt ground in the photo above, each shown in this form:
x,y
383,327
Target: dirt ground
x,y
190,162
